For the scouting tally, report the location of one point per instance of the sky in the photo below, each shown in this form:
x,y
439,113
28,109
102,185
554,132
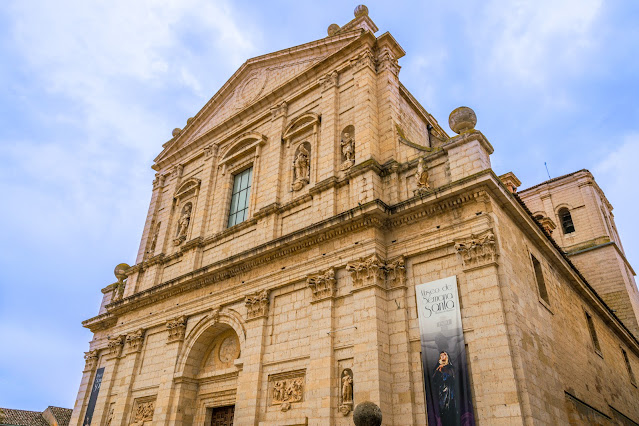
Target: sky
x,y
90,90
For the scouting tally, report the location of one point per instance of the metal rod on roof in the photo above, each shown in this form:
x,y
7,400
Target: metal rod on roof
x,y
547,170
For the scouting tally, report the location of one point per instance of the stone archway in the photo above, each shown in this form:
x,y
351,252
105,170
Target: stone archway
x,y
208,369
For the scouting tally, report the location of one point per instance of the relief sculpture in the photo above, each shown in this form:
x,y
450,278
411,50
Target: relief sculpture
x,y
286,389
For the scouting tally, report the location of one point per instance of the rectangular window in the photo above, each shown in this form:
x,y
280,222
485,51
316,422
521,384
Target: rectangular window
x,y
240,197
629,367
593,333
541,284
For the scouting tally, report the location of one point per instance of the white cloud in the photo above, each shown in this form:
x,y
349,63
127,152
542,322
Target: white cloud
x,y
527,40
616,174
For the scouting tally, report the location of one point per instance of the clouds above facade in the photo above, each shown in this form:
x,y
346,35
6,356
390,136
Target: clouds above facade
x,y
93,89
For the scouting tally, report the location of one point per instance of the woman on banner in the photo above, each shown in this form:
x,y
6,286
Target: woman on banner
x,y
444,383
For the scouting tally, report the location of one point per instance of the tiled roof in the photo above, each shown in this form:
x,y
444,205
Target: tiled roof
x,y
62,415
12,417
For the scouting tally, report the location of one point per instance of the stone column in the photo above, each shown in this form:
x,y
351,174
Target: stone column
x,y
320,380
371,360
165,410
249,383
111,365
128,366
79,409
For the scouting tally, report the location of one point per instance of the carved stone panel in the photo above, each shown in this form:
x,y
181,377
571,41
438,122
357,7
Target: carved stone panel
x,y
285,389
177,328
256,305
143,412
323,285
478,250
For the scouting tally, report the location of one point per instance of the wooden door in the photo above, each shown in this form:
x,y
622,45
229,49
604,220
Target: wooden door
x,y
222,416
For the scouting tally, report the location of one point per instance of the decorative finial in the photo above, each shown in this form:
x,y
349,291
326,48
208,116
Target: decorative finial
x,y
333,29
176,131
360,11
120,271
462,119
189,120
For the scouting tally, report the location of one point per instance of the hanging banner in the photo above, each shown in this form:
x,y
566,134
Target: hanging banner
x,y
446,379
95,389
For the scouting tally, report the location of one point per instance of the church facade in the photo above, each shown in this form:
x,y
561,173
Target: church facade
x,y
289,223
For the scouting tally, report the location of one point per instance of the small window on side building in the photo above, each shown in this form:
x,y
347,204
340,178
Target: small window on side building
x,y
539,277
593,333
240,197
629,367
566,221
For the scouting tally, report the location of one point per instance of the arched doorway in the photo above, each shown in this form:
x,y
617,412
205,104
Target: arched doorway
x,y
206,388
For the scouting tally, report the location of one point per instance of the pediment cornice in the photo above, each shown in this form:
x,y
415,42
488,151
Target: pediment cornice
x,y
326,50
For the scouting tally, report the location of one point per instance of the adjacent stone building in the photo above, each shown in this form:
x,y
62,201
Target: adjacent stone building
x,y
289,223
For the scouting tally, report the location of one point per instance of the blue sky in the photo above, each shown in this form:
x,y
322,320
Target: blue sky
x,y
91,89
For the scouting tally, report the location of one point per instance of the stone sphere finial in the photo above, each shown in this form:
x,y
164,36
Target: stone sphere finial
x,y
176,131
462,119
360,11
367,414
120,271
333,29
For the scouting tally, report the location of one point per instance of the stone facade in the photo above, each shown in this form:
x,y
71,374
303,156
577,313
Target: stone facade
x,y
307,307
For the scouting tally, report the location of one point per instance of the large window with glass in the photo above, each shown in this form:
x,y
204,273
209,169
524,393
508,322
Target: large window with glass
x,y
240,197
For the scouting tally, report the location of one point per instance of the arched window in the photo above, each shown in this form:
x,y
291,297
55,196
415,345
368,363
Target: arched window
x,y
566,221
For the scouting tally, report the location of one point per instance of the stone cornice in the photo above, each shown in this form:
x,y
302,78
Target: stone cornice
x,y
376,214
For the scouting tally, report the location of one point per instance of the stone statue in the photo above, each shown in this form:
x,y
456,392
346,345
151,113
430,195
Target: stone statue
x,y
421,178
301,168
347,388
347,392
348,151
183,224
154,240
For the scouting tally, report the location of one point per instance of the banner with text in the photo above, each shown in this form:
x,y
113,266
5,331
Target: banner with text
x,y
446,379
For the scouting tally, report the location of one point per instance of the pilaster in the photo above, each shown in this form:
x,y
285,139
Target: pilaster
x,y
90,363
320,378
165,411
111,367
128,365
249,381
366,113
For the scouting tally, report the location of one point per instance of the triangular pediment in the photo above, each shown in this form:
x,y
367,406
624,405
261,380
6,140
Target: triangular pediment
x,y
255,79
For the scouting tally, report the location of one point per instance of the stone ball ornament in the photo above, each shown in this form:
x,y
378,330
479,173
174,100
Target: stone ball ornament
x,y
333,29
120,271
462,119
367,414
360,11
176,131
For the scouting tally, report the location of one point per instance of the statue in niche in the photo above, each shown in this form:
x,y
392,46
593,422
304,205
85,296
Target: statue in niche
x,y
154,240
421,178
346,379
301,167
348,148
183,224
